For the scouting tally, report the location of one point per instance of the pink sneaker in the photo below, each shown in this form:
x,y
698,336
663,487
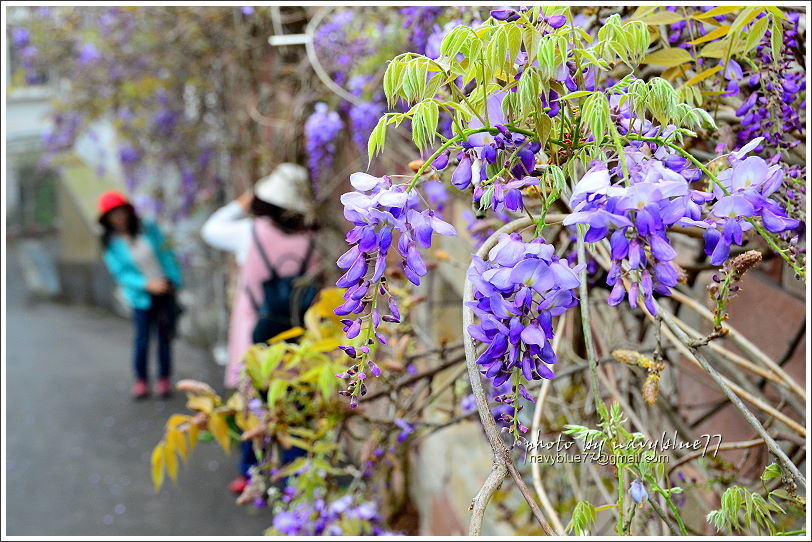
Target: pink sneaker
x,y
164,388
140,390
238,485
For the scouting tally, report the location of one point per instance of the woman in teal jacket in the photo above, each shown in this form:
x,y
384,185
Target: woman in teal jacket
x,y
138,258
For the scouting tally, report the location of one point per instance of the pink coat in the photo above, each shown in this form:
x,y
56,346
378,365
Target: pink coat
x,y
286,253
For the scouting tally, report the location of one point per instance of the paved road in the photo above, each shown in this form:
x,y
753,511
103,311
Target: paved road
x,y
78,448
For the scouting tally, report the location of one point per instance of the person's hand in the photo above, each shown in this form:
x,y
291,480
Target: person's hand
x,y
245,199
159,286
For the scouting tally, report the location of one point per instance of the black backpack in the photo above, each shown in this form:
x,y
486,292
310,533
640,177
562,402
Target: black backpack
x,y
285,299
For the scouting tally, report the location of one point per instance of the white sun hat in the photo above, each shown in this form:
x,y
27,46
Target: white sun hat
x,y
288,186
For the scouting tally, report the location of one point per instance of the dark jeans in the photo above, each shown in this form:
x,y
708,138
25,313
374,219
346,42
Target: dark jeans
x,y
161,315
248,459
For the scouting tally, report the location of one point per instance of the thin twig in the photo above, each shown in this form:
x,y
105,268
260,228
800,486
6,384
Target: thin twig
x,y
739,340
790,468
480,502
723,446
535,467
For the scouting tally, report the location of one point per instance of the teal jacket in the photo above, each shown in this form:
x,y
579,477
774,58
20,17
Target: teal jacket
x,y
126,273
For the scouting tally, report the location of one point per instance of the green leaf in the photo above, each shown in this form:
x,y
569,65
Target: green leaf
x,y
595,114
672,56
584,517
775,12
392,80
755,34
327,382
377,139
576,94
744,18
772,471
776,39
271,358
545,55
276,390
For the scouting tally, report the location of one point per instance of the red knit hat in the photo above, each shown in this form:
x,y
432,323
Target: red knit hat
x,y
111,200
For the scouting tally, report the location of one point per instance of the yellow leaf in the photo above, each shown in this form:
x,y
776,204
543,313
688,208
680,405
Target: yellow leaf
x,y
194,433
672,56
712,35
661,17
716,49
671,73
177,441
157,463
200,403
176,420
327,345
721,10
235,402
246,423
171,462
712,92
704,75
641,11
324,307
285,335
219,428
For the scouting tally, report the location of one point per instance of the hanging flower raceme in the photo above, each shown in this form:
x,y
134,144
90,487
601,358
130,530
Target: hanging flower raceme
x,y
637,217
744,192
384,215
321,130
517,293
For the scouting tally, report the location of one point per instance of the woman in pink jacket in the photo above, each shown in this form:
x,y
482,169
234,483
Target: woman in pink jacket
x,y
276,222
277,218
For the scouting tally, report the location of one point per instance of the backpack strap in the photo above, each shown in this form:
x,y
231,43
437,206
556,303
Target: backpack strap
x,y
252,299
311,246
263,254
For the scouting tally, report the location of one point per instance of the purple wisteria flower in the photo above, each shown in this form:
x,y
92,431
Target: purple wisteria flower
x,y
485,152
638,491
638,216
317,517
517,293
406,429
744,193
321,130
88,53
384,216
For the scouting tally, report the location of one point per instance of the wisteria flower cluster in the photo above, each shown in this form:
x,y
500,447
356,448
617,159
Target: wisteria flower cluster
x,y
743,192
384,215
321,130
775,106
517,292
637,216
318,517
